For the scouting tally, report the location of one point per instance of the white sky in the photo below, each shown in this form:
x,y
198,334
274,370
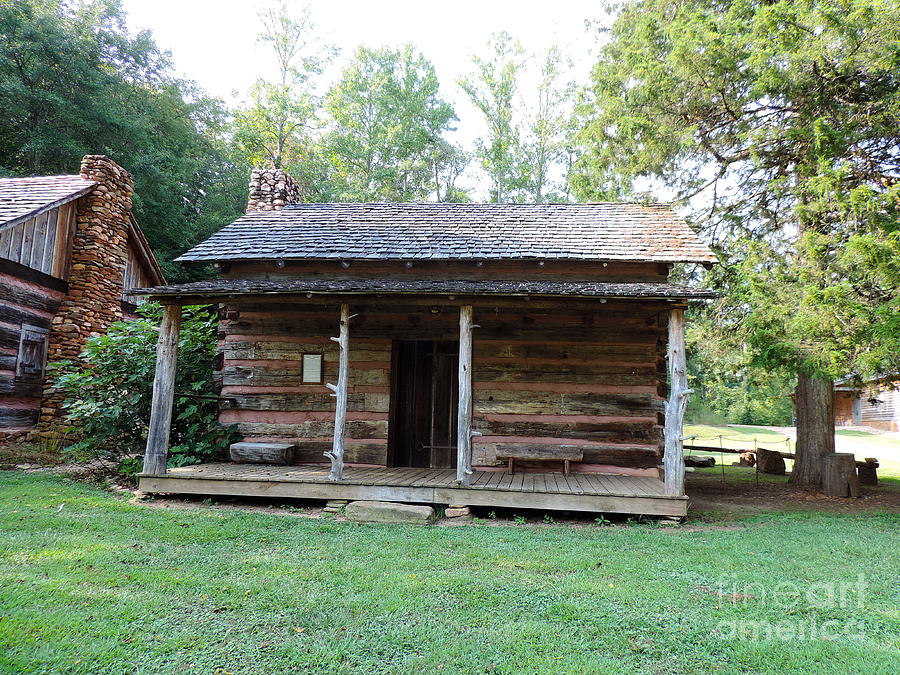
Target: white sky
x,y
213,42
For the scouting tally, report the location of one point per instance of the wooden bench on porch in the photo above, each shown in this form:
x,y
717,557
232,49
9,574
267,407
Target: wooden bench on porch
x,y
543,453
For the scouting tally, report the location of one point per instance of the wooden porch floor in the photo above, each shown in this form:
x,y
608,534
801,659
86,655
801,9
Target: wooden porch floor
x,y
592,492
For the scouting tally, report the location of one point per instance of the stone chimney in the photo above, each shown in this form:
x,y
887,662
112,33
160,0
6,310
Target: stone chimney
x,y
271,189
96,269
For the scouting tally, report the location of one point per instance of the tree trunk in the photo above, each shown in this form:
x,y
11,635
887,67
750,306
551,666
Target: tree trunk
x,y
464,405
814,400
336,455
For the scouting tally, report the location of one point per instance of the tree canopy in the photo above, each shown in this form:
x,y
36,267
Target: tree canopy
x,y
387,124
529,135
778,124
779,121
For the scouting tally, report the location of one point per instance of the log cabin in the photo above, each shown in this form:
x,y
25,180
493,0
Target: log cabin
x,y
70,254
507,355
872,403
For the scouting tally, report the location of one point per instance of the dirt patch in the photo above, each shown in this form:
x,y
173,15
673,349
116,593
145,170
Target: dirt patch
x,y
710,496
247,505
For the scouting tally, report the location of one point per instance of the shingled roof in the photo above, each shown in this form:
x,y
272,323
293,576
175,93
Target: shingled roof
x,y
379,286
440,231
22,198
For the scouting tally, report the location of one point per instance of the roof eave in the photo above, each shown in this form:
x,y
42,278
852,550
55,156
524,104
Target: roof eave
x,y
712,260
152,293
49,206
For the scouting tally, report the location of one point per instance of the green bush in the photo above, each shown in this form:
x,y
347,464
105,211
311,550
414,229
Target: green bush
x,y
108,397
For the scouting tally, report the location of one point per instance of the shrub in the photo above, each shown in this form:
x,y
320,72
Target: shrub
x,y
108,396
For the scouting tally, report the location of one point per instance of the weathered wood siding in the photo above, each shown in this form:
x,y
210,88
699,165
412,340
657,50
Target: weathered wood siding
x,y
880,406
844,402
545,374
136,275
589,379
41,243
28,300
262,375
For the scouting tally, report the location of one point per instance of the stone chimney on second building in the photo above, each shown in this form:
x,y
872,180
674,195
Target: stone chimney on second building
x,y
271,190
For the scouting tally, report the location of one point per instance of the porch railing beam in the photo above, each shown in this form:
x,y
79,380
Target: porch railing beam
x,y
157,453
673,460
464,408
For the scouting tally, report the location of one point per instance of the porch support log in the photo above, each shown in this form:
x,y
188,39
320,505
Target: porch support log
x,y
464,409
340,392
156,454
673,460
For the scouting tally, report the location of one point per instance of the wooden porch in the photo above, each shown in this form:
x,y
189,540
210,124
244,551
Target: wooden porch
x,y
589,492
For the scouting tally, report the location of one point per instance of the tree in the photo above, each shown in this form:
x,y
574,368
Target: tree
x,y
273,130
492,88
777,122
550,129
74,81
387,121
108,396
528,144
448,163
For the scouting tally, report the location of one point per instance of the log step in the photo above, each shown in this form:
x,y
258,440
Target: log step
x,y
263,453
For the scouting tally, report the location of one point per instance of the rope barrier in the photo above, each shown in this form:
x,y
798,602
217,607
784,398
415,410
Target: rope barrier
x,y
740,439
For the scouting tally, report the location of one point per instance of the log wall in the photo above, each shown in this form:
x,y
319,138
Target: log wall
x,y
880,406
28,299
844,402
545,374
548,270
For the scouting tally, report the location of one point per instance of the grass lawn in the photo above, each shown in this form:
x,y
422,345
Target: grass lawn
x,y
104,586
741,437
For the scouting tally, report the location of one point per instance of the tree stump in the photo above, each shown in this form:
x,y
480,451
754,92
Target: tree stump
x,y
839,477
867,471
770,461
701,461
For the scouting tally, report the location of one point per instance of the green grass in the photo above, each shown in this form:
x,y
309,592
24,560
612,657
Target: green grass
x,y
863,444
735,437
103,586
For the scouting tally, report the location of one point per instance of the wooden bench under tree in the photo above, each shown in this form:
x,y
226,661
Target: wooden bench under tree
x,y
543,453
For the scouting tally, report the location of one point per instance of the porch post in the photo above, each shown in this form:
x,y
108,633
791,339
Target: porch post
x,y
464,408
156,454
673,460
340,393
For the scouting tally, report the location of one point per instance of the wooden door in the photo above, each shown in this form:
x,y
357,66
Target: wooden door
x,y
424,385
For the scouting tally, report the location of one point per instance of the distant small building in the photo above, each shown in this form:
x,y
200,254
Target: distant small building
x,y
70,250
872,403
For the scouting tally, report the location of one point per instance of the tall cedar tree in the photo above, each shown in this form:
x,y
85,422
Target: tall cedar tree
x,y
780,122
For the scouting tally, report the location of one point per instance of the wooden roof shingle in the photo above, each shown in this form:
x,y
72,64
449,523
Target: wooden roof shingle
x,y
22,198
445,231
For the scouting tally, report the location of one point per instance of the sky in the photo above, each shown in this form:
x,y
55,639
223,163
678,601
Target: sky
x,y
213,42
